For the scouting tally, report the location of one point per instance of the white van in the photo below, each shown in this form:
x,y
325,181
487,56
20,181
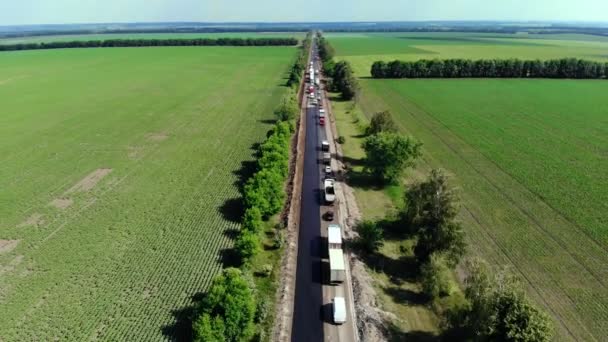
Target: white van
x,y
339,310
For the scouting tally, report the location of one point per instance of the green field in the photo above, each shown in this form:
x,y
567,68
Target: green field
x,y
530,159
365,48
119,171
81,37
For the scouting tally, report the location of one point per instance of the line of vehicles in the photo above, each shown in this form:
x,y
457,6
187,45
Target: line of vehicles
x,y
333,247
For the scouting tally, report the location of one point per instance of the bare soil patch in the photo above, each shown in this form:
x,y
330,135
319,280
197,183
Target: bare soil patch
x,y
89,182
157,137
34,220
8,245
134,152
61,203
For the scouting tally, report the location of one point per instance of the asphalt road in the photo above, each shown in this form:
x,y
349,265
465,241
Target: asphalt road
x,y
308,316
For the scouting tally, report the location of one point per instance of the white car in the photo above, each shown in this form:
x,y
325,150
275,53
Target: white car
x,y
328,170
329,191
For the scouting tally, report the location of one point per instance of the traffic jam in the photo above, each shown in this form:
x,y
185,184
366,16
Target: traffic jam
x,y
332,247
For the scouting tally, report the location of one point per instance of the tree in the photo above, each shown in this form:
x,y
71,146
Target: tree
x,y
435,277
381,122
379,69
227,311
371,237
431,207
518,320
497,309
388,154
446,238
430,203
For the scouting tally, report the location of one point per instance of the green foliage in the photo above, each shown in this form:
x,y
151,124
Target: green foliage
x,y
388,154
381,122
341,140
435,277
247,245
265,191
512,68
371,236
151,42
446,238
288,109
431,207
227,311
497,310
252,220
430,203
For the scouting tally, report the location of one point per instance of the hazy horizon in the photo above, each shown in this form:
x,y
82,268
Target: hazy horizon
x,y
57,12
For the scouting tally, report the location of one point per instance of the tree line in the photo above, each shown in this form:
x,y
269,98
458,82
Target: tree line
x,y
491,68
231,308
298,68
343,79
153,42
496,307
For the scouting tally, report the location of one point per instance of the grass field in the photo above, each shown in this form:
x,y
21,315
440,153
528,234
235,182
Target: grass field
x,y
80,37
530,158
119,171
363,49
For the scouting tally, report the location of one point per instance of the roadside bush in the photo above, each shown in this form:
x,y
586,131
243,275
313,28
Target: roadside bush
x,y
247,245
227,311
435,277
252,220
341,140
288,109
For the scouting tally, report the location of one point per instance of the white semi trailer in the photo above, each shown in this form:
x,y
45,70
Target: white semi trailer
x,y
337,270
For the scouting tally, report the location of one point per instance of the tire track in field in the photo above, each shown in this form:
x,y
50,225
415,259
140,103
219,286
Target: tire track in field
x,y
518,207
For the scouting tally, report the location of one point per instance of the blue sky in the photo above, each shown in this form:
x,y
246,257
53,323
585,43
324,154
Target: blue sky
x,y
15,12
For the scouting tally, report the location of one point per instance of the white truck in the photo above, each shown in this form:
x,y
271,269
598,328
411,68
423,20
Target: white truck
x,y
339,310
337,270
327,158
329,191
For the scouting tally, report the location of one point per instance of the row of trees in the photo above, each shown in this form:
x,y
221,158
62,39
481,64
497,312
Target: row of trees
x,y
153,42
496,307
230,309
298,68
343,79
491,68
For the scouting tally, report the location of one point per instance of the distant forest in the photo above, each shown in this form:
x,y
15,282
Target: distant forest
x,y
470,27
153,42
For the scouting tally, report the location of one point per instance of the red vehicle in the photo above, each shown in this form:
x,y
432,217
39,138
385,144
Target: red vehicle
x,y
311,89
321,121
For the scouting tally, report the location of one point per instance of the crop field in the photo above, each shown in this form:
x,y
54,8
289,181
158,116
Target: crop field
x,y
80,37
530,159
362,49
120,172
